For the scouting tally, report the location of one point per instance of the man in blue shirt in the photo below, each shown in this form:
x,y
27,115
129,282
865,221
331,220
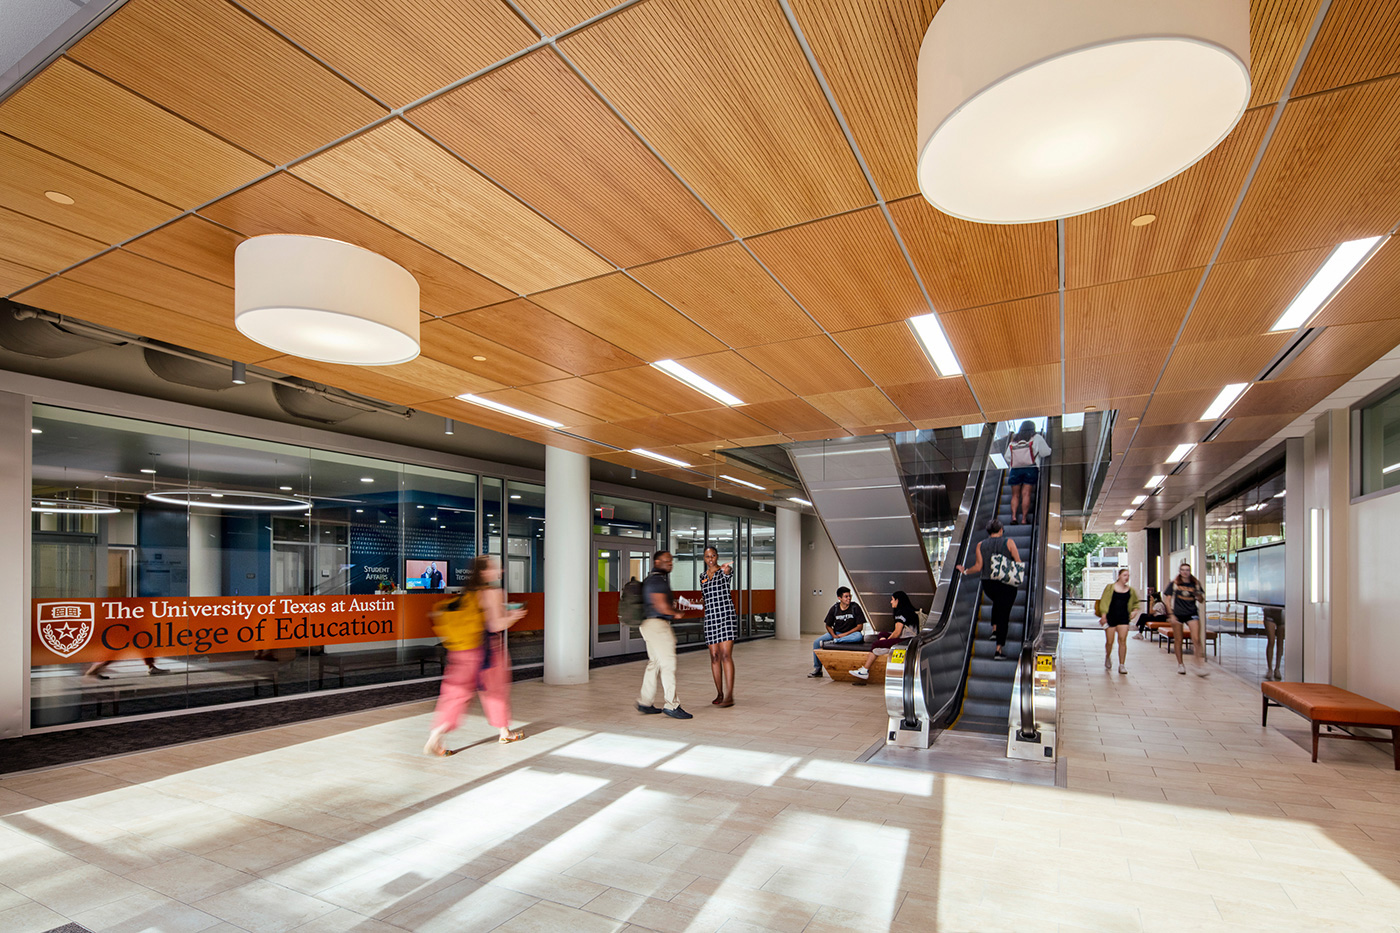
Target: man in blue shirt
x,y
656,631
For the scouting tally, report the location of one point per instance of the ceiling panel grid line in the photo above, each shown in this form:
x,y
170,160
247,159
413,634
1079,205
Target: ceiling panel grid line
x,y
1274,120
831,101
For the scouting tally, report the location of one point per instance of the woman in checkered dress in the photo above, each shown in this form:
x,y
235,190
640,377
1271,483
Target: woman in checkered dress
x,y
721,625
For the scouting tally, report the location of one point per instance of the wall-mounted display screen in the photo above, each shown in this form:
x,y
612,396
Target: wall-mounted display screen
x,y
425,574
1260,575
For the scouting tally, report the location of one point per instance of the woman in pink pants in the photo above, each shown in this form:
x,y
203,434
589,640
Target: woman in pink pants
x,y
471,627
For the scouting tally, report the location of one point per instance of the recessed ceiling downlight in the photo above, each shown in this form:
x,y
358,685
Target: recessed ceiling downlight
x,y
230,499
321,299
1032,111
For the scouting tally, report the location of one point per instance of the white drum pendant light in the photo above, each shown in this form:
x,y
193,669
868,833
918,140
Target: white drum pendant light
x,y
325,300
1033,110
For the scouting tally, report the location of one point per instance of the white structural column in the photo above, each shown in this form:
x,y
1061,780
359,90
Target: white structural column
x,y
567,546
1295,515
787,578
1137,561
14,561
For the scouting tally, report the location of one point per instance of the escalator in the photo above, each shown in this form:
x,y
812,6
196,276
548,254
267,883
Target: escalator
x,y
949,678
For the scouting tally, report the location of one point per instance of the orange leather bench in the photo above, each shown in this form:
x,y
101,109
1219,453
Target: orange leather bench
x,y
1326,705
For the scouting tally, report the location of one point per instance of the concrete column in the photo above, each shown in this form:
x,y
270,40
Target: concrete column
x,y
1295,516
567,548
1137,561
15,494
787,576
1198,541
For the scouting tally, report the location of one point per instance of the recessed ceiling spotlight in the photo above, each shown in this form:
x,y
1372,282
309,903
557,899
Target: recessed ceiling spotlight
x,y
1132,417
479,359
1142,220
1091,408
58,197
1038,111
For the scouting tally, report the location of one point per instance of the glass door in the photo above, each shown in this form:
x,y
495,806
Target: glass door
x,y
616,565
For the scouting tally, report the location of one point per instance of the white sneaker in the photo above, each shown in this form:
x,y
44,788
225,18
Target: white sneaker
x,y
860,673
1137,637
1122,669
1107,663
1181,668
1202,670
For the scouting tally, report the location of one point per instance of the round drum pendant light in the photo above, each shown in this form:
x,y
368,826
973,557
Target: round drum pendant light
x,y
325,300
1033,111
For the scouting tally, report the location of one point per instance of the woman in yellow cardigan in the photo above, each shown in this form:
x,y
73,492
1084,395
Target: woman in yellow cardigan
x,y
1116,609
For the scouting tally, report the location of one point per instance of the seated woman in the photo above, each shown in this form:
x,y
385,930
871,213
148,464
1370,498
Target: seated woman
x,y
1157,613
906,623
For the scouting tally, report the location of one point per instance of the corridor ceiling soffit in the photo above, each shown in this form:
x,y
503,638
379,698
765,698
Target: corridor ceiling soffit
x,y
670,180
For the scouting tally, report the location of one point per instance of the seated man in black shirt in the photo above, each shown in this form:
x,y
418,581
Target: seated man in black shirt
x,y
844,624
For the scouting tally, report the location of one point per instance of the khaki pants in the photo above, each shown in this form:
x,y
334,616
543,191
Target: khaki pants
x,y
661,661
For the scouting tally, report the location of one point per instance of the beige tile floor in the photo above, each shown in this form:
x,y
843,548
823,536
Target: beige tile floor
x,y
1181,814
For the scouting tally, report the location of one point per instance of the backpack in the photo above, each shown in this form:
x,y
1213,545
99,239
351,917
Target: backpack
x,y
1020,454
460,623
631,606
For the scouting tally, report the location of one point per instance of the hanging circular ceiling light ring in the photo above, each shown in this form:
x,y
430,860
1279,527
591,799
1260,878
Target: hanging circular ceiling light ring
x,y
71,507
324,300
237,500
1032,111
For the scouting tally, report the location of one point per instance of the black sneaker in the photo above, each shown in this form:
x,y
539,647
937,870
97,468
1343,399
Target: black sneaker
x,y
817,674
677,713
648,709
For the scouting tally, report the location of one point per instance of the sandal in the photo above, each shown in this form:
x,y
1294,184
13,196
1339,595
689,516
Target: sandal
x,y
728,702
511,737
717,701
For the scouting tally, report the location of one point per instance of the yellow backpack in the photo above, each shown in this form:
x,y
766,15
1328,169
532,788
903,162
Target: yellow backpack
x,y
459,622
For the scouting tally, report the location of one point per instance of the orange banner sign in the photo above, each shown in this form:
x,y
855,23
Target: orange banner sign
x,y
84,630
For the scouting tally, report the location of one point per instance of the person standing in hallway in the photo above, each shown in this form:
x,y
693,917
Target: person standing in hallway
x,y
1116,608
906,623
721,625
845,624
1024,451
1157,613
469,625
660,639
1185,596
1002,594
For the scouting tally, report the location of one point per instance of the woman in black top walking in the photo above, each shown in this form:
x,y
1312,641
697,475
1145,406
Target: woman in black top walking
x,y
1116,609
1001,594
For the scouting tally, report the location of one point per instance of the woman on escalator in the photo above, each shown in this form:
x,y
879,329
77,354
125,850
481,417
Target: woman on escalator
x,y
1000,551
1024,452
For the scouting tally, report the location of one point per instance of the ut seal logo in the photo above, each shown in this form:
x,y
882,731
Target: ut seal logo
x,y
65,628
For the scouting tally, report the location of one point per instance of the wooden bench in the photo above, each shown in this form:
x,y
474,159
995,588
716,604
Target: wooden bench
x,y
1164,630
1326,705
839,662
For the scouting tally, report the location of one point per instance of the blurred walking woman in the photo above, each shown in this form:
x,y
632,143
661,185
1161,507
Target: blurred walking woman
x,y
721,625
1002,594
1116,608
471,626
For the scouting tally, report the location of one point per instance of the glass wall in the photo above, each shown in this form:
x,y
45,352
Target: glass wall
x,y
762,609
524,569
686,542
1380,444
177,568
627,518
1244,582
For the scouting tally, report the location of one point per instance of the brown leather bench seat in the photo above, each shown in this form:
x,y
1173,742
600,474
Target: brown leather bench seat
x,y
1326,705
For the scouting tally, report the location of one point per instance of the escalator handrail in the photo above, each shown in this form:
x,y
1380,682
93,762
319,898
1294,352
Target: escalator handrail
x,y
950,585
1035,617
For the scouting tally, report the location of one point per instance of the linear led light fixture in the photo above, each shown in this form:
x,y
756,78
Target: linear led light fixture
x,y
1223,401
1315,554
1074,421
507,410
1180,453
655,456
1155,481
971,431
741,482
1391,469
1121,521
1139,500
1340,266
695,381
935,344
998,461
1129,513
799,501
1283,492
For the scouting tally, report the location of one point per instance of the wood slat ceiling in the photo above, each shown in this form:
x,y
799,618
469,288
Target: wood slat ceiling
x,y
571,212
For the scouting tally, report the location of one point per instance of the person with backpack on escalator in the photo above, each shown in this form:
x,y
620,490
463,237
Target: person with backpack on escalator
x,y
1024,451
1006,572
